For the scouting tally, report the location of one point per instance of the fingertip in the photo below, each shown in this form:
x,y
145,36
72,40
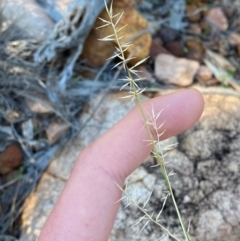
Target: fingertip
x,y
198,99
194,104
182,109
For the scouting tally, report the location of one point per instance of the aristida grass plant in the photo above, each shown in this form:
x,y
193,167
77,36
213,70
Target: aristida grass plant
x,y
132,77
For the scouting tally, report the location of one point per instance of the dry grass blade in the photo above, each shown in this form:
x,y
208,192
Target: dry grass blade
x,y
134,93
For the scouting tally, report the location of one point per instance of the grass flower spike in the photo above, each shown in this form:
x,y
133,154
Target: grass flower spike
x,y
132,77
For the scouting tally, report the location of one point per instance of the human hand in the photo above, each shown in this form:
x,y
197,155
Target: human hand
x,y
87,208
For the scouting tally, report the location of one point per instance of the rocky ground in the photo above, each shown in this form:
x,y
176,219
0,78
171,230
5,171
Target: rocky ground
x,y
207,184
192,43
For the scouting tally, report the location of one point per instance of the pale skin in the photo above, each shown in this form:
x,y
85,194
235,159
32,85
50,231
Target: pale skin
x,y
87,207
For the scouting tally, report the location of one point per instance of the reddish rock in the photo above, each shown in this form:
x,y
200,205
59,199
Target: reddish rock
x,y
175,48
96,52
216,17
10,158
157,48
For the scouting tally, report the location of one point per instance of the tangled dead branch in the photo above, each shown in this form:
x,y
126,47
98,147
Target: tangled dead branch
x,y
23,79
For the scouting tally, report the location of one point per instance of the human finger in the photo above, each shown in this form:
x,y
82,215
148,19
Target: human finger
x,y
87,207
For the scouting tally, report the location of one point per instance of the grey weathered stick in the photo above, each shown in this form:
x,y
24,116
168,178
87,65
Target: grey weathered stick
x,y
70,33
